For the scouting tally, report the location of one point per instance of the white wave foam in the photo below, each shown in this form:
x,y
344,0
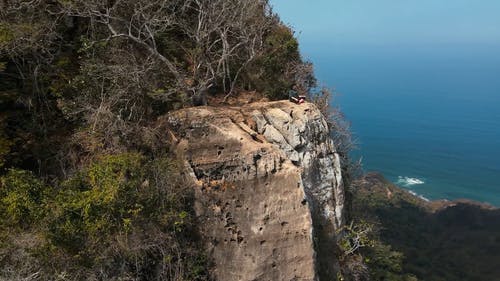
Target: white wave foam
x,y
418,195
407,181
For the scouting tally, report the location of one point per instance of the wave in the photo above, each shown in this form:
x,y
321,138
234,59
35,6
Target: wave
x,y
418,195
407,181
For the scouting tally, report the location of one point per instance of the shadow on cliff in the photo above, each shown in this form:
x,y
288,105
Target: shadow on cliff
x,y
440,240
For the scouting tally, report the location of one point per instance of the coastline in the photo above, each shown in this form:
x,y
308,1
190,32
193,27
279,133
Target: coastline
x,y
440,239
434,205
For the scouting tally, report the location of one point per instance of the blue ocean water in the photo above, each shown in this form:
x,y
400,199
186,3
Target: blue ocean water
x,y
428,119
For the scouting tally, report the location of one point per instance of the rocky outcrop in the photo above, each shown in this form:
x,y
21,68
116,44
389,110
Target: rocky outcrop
x,y
269,190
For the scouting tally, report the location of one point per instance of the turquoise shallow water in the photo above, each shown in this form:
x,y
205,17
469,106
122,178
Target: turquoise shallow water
x,y
428,120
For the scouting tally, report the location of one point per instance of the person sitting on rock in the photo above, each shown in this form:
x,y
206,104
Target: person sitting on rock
x,y
298,99
302,99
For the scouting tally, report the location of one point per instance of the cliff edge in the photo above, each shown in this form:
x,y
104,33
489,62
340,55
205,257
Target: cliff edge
x,y
269,191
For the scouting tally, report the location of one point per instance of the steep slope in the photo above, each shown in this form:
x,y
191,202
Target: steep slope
x,y
269,188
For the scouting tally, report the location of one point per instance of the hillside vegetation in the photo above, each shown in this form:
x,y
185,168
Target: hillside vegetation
x,y
89,189
435,241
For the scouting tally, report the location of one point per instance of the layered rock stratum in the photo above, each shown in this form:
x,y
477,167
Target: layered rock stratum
x,y
269,190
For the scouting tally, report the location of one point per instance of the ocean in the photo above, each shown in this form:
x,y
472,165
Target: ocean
x,y
428,119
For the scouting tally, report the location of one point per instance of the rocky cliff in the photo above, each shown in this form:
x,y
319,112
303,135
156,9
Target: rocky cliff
x,y
269,192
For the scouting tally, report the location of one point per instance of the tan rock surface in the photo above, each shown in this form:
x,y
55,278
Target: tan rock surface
x,y
267,176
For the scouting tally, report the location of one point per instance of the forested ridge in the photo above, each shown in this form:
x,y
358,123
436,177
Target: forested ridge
x,y
89,188
97,73
415,239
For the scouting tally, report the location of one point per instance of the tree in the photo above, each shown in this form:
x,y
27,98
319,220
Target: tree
x,y
219,38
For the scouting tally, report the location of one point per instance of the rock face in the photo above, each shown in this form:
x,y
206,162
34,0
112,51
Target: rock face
x,y
269,192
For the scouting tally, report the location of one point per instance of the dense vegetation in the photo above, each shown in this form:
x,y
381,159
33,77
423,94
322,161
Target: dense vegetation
x,y
124,216
419,240
83,78
89,189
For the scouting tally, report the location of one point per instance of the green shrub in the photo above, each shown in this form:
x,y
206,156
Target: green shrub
x,y
6,35
98,201
22,198
273,73
125,215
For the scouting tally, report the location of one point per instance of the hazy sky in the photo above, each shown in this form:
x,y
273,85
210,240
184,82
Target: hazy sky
x,y
393,22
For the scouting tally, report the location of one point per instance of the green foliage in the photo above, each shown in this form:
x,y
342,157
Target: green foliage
x,y
384,257
114,194
385,263
273,72
123,211
6,35
126,197
353,237
22,198
363,254
97,202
